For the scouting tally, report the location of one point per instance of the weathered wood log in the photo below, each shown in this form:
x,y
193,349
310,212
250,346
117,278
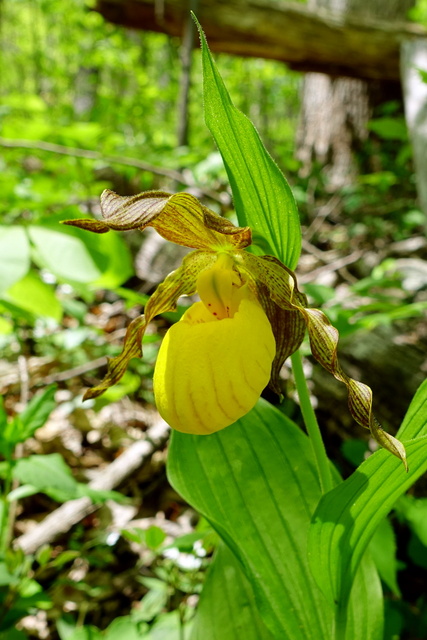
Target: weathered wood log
x,y
306,39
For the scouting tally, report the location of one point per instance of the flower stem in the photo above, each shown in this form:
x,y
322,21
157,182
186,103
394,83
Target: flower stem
x,y
312,426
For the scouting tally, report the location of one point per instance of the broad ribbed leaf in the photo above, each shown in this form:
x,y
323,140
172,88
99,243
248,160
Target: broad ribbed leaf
x,y
364,617
256,483
262,196
227,608
348,516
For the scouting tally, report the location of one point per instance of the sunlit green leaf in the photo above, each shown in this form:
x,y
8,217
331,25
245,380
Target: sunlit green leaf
x,y
124,628
257,484
66,255
228,603
14,256
347,517
35,296
262,196
46,472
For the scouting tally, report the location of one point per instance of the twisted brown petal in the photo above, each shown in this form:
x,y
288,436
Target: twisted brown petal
x,y
288,327
324,343
179,218
282,288
178,283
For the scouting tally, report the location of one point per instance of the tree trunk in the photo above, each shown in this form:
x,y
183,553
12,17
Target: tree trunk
x,y
413,59
186,60
335,111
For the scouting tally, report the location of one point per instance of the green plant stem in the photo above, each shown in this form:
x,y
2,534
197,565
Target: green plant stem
x,y
340,623
5,511
312,426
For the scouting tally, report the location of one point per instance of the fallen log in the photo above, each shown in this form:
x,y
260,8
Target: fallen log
x,y
290,32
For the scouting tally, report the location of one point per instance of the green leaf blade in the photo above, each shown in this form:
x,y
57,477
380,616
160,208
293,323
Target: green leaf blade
x,y
256,483
36,413
348,516
47,473
262,196
228,599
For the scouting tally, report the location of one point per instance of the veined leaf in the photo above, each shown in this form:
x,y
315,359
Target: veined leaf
x,y
34,415
228,598
364,617
33,295
256,483
262,196
383,550
347,517
46,472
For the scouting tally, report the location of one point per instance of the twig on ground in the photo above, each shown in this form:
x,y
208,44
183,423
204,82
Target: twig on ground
x,y
322,214
76,371
333,266
24,380
70,513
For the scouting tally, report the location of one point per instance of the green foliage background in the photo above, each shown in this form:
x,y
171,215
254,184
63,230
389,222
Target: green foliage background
x,y
72,80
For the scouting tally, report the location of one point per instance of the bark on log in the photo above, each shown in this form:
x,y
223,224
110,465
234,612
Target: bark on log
x,y
308,40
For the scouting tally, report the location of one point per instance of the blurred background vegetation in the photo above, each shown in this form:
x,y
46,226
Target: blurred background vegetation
x,y
87,105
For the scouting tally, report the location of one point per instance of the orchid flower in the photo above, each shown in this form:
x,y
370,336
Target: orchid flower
x,y
214,363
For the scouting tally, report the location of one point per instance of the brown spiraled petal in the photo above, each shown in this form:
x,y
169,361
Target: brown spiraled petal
x,y
180,282
324,343
132,212
179,218
88,224
239,237
288,327
117,366
271,273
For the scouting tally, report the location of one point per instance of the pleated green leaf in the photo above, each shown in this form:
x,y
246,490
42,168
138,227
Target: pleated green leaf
x,y
348,516
256,483
227,607
364,617
262,196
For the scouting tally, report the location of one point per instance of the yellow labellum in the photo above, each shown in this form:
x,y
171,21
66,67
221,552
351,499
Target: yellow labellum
x,y
211,372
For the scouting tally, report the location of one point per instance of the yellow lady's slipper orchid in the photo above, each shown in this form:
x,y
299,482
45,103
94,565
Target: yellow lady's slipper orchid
x,y
214,363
